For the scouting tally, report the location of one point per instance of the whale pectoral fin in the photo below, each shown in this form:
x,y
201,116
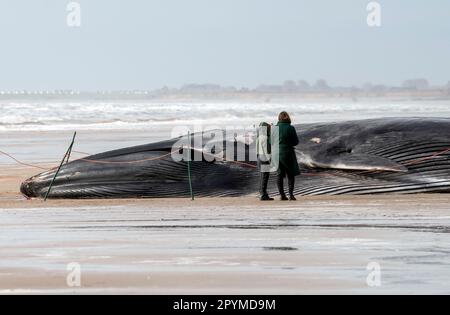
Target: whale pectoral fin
x,y
366,162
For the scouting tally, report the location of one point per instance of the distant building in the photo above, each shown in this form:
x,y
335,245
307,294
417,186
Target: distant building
x,y
321,85
200,88
303,85
269,89
416,84
290,86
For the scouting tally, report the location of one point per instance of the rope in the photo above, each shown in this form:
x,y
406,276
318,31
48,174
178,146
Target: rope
x,y
127,162
80,152
170,153
22,163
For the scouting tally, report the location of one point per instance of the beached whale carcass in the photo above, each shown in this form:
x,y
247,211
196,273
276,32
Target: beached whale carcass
x,y
377,156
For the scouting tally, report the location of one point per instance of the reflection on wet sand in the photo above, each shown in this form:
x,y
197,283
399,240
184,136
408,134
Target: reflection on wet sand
x,y
316,245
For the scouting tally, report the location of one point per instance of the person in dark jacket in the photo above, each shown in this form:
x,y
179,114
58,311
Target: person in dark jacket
x,y
288,165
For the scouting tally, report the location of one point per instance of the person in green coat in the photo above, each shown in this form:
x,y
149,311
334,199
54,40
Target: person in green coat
x,y
288,165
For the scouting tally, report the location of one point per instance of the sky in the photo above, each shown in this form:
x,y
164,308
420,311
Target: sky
x,y
147,44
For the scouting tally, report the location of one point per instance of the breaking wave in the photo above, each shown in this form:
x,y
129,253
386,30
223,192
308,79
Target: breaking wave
x,y
94,115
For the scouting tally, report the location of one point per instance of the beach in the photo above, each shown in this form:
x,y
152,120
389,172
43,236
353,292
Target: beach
x,y
223,246
332,245
198,101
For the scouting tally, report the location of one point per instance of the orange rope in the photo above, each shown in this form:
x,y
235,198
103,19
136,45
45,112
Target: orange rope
x,y
80,152
22,163
158,158
129,162
216,156
117,162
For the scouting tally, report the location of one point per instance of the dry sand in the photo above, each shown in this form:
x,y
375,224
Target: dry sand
x,y
223,246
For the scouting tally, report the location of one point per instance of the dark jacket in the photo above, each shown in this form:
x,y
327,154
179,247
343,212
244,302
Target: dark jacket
x,y
288,140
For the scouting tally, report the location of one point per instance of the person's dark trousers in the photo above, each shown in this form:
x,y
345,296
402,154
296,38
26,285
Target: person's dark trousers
x,y
264,182
280,182
291,181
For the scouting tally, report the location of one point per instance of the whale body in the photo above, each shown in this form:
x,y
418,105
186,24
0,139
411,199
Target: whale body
x,y
375,156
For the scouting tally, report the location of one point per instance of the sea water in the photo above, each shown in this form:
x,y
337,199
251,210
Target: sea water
x,y
39,130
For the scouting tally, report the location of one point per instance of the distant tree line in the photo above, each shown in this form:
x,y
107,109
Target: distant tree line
x,y
300,87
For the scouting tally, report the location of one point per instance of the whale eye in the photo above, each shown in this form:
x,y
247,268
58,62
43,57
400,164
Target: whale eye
x,y
340,150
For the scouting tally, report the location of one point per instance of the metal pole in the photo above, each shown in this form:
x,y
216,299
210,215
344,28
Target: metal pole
x,y
189,166
67,155
69,152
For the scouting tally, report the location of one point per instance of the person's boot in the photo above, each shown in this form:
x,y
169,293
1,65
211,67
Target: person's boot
x,y
291,189
266,198
263,189
280,185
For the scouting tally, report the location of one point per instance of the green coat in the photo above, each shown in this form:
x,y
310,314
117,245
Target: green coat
x,y
288,139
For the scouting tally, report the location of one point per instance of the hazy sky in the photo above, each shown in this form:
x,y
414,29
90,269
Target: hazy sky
x,y
146,44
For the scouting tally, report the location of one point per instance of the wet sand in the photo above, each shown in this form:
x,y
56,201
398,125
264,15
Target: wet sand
x,y
223,246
